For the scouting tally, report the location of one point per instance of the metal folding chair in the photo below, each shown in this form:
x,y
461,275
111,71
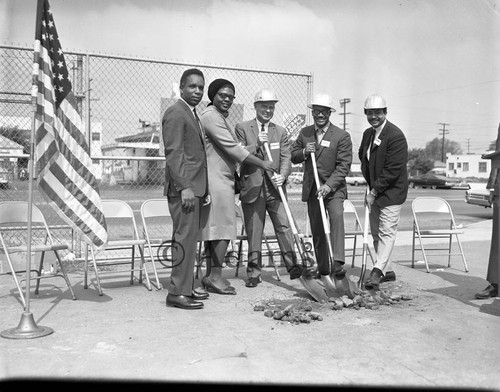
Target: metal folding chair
x,y
267,239
157,230
14,219
123,240
353,229
439,224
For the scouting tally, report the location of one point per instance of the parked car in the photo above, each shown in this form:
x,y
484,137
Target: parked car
x,y
431,180
478,195
4,178
355,178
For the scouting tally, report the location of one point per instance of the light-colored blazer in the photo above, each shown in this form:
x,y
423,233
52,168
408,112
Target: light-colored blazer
x,y
252,177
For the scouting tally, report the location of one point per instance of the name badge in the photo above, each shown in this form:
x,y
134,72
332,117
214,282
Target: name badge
x,y
377,142
274,146
325,143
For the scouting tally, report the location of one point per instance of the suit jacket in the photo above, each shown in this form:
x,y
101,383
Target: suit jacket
x,y
252,176
386,170
333,160
186,160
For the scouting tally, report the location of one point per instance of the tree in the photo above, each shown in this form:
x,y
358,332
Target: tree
x,y
434,148
418,161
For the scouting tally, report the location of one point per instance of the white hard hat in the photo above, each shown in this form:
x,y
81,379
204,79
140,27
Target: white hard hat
x,y
322,100
265,95
375,101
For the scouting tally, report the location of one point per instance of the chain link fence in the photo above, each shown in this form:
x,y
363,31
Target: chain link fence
x,y
121,101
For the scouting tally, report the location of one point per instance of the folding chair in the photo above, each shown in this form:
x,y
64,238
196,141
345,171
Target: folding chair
x,y
123,237
267,239
157,229
14,218
439,224
353,229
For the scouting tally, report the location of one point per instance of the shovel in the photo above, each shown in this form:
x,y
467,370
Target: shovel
x,y
310,284
341,286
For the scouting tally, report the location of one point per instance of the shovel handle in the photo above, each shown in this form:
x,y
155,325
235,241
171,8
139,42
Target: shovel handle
x,y
291,221
282,195
326,224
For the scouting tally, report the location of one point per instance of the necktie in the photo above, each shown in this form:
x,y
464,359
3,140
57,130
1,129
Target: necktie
x,y
199,122
262,130
370,144
319,136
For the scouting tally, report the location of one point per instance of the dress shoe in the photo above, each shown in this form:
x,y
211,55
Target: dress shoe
x,y
211,287
198,296
183,302
373,281
253,282
489,292
296,271
389,276
338,269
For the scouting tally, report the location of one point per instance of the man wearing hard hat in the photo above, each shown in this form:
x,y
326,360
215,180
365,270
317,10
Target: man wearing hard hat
x,y
259,192
332,148
383,154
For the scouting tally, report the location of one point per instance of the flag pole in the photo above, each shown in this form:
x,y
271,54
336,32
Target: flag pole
x,y
27,327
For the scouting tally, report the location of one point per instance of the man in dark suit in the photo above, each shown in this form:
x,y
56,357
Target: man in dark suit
x,y
259,192
332,148
384,155
185,186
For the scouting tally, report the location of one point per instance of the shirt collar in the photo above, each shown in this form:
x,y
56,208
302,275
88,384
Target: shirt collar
x,y
379,128
266,125
191,107
322,130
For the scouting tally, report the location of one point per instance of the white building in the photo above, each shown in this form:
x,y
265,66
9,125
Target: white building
x,y
467,165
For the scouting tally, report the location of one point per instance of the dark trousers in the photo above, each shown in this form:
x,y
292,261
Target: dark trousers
x,y
186,228
254,215
335,210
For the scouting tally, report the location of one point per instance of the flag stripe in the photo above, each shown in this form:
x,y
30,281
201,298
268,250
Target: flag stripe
x,y
63,163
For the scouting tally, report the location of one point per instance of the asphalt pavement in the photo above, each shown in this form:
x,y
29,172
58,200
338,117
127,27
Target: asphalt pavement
x,y
441,339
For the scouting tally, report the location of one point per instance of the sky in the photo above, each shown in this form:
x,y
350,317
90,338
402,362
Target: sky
x,y
434,61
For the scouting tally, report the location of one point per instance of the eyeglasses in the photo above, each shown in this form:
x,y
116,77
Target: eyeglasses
x,y
324,112
226,96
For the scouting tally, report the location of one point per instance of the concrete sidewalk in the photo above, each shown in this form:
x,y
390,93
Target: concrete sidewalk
x,y
442,338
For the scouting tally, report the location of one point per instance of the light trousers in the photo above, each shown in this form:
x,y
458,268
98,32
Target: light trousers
x,y
384,226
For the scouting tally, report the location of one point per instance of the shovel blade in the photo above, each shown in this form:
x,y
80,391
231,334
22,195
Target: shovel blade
x,y
343,286
314,288
330,288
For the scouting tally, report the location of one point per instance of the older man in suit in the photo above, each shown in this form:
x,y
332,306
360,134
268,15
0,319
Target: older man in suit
x,y
332,148
384,155
259,192
185,186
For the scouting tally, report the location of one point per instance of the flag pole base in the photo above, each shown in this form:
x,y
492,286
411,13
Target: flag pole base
x,y
27,329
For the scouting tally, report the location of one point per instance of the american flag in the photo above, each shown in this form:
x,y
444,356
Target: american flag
x,y
63,163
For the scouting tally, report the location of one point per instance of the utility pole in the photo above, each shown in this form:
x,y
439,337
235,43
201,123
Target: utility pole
x,y
343,104
444,131
468,145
